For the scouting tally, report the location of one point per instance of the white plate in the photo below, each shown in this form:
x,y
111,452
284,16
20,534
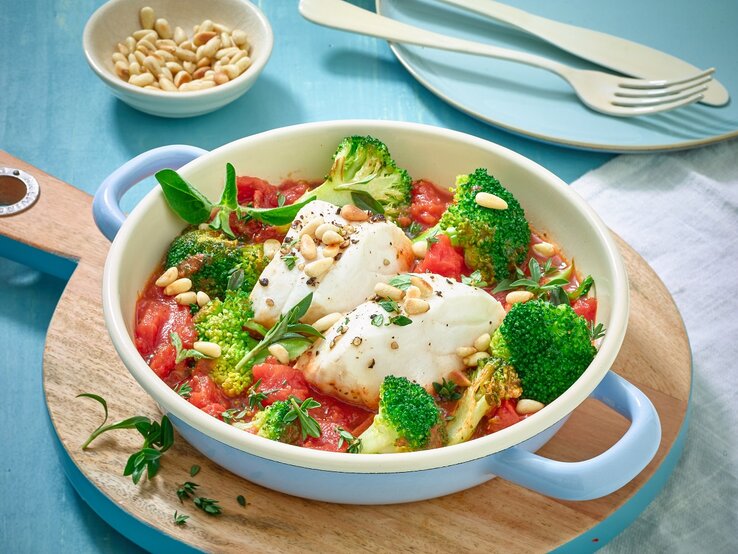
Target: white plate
x,y
538,104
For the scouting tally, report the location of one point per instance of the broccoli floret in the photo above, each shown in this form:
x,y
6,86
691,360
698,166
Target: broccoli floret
x,y
209,258
221,322
494,241
537,353
406,418
363,164
272,424
549,346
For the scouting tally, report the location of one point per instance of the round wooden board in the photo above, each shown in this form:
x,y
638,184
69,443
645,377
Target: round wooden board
x,y
495,516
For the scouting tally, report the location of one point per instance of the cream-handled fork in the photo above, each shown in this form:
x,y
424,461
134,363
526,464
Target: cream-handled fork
x,y
603,92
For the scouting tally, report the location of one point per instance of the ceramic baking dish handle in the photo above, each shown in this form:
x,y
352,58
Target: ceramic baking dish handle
x,y
106,204
602,474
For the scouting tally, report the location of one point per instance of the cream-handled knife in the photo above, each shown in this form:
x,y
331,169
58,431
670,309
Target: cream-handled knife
x,y
624,56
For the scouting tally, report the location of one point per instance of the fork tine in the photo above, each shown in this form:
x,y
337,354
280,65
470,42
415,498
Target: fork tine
x,y
663,83
648,110
660,100
645,93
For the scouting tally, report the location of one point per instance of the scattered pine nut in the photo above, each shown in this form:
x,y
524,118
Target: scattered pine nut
x,y
425,289
323,227
146,17
352,213
186,298
545,249
487,200
518,296
412,292
482,342
202,298
388,291
141,80
168,277
331,251
307,247
527,406
239,37
327,321
331,237
311,226
279,352
420,248
210,349
319,267
179,35
178,286
271,247
465,351
474,359
414,306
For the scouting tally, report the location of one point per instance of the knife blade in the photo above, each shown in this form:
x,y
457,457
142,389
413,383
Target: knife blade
x,y
622,55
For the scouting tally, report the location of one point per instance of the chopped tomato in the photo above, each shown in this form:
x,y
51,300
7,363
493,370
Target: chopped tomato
x,y
252,230
442,258
428,203
204,391
504,416
331,415
257,192
280,381
586,307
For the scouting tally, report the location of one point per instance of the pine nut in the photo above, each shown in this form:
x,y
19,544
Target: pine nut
x,y
318,267
139,57
388,291
474,359
164,43
518,296
145,46
203,62
167,84
187,45
141,80
412,292
223,52
189,67
239,37
279,352
414,306
225,40
527,406
185,55
202,298
165,55
200,73
163,28
487,200
271,247
123,49
331,251
144,34
322,228
230,70
482,342
118,57
210,349
121,70
134,69
155,86
243,64
147,17
203,37
168,277
166,74
220,78
178,286
545,249
311,226
206,25
196,85
219,28
181,78
209,49
327,321
179,35
307,247
186,298
237,56
130,43
420,248
465,351
331,237
352,213
152,65
425,289
174,67
132,59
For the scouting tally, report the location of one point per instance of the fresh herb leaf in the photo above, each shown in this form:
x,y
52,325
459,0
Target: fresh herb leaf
x,y
129,423
289,260
186,490
353,443
401,282
184,199
194,470
447,390
432,238
389,305
180,519
474,280
596,331
208,505
414,230
233,414
236,277
228,203
282,215
583,289
241,500
558,296
533,283
377,320
256,397
308,425
184,389
366,201
400,320
184,353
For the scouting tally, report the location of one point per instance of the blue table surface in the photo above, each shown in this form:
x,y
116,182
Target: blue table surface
x,y
56,115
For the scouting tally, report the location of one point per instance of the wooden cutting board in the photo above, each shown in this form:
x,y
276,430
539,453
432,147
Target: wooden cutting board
x,y
496,516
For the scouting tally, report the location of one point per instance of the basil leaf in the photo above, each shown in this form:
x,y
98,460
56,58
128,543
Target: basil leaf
x,y
184,199
279,216
366,201
295,346
299,309
400,320
401,282
229,198
377,320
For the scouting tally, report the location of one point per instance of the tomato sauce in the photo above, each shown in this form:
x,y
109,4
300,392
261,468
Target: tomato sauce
x,y
158,316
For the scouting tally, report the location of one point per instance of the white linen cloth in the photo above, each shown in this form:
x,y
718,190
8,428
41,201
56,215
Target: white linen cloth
x,y
680,212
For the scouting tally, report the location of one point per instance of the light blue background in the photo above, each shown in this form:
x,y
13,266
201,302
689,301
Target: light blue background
x,y
55,114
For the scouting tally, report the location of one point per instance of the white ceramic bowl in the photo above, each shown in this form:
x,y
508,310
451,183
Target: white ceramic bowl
x,y
117,19
426,152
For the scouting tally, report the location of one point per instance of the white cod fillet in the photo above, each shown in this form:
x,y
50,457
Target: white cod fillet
x,y
376,251
356,355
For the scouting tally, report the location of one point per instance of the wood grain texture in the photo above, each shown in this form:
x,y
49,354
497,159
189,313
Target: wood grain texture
x,y
80,358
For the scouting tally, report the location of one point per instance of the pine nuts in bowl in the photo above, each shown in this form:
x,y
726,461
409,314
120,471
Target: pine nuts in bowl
x,y
178,58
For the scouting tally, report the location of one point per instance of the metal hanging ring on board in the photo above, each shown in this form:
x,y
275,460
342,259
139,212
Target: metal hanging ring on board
x,y
18,191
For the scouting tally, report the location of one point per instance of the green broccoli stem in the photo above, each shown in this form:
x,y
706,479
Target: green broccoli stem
x,y
379,438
